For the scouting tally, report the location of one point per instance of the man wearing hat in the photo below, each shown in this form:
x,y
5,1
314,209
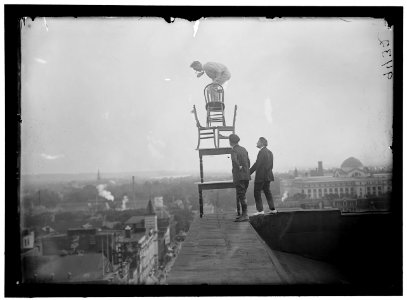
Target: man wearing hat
x,y
241,175
264,174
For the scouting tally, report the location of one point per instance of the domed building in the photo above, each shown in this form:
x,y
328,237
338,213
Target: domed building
x,y
351,167
350,182
351,163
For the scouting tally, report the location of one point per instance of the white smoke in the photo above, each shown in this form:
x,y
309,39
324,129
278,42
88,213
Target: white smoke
x,y
103,193
124,201
285,195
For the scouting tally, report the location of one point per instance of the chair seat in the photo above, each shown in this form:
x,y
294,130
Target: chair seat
x,y
219,106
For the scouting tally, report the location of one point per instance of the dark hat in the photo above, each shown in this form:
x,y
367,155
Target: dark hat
x,y
234,138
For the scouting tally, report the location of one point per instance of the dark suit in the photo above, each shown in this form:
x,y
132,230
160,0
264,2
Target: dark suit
x,y
264,174
241,175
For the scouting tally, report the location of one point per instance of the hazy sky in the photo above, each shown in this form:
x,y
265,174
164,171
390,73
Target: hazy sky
x,y
116,94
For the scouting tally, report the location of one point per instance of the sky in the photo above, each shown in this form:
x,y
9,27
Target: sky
x,y
116,94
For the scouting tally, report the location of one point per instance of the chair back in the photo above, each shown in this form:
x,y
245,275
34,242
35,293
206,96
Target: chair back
x,y
214,93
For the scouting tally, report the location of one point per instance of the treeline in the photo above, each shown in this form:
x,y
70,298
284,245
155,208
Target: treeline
x,y
171,189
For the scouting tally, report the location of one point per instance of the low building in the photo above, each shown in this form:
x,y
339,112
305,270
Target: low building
x,y
158,202
28,239
352,180
84,240
139,249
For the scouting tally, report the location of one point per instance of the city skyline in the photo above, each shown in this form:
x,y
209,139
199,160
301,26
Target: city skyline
x,y
116,94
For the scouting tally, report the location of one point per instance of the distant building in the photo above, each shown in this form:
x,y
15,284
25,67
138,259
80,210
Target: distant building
x,y
317,172
158,202
151,223
166,229
86,240
140,249
150,217
178,203
47,230
147,223
27,240
352,180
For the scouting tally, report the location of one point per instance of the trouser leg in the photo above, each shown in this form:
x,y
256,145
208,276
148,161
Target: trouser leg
x,y
237,202
241,188
269,196
257,195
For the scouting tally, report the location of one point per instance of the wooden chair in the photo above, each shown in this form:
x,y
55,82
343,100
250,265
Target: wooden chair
x,y
215,106
204,132
230,129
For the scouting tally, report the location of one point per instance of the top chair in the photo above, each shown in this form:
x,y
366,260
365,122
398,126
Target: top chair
x,y
215,106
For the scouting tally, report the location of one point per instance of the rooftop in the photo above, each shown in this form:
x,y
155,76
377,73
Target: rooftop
x,y
220,251
135,219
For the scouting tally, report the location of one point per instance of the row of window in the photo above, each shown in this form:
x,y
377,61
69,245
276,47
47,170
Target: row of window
x,y
330,190
341,190
379,193
347,184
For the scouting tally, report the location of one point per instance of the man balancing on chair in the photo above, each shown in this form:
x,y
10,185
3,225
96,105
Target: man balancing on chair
x,y
216,71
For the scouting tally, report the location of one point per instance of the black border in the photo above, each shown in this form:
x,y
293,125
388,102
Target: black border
x,y
12,17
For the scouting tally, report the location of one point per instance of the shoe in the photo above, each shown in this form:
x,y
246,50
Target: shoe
x,y
238,217
243,218
272,212
258,213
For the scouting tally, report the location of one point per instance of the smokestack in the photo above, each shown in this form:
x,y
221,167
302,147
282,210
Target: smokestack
x,y
320,169
134,195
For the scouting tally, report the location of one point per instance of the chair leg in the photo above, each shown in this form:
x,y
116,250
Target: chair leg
x,y
214,139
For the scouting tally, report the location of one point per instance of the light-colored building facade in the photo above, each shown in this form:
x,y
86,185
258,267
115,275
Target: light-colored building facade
x,y
150,222
159,202
351,180
147,254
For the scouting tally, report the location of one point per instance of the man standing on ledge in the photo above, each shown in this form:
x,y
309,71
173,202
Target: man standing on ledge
x,y
241,175
264,174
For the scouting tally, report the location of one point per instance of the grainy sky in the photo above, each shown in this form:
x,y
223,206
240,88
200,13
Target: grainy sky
x,y
116,94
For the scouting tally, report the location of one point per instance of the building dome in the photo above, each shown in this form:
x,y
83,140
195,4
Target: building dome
x,y
351,163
